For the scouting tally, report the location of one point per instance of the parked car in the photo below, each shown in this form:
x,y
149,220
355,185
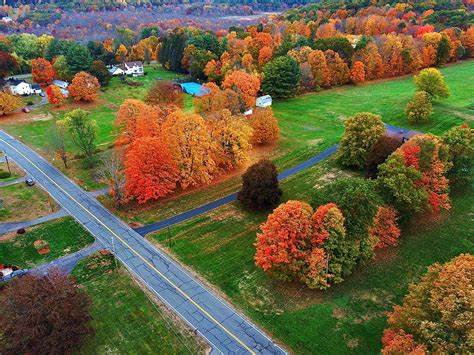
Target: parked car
x,y
26,110
17,273
42,94
29,181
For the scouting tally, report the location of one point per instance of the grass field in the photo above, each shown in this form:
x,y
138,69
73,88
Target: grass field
x,y
124,319
350,317
313,122
64,236
21,202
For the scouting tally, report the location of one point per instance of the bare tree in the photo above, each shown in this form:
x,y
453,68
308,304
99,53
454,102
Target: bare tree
x,y
111,172
44,315
57,137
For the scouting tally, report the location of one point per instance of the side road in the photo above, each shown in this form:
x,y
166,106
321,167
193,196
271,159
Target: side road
x,y
226,330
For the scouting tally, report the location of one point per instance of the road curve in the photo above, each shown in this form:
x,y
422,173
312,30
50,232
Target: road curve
x,y
227,331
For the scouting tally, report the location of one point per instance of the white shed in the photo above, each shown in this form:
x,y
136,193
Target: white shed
x,y
264,101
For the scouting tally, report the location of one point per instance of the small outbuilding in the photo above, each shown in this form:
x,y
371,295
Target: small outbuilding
x,y
264,101
194,89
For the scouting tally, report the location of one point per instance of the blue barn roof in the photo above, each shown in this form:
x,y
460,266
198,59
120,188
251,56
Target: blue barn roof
x,y
194,89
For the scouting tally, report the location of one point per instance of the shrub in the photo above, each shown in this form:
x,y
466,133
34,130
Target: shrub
x,y
362,131
4,174
419,109
260,186
380,151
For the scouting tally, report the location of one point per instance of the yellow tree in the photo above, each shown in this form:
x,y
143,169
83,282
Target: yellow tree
x,y
230,136
9,102
264,125
191,147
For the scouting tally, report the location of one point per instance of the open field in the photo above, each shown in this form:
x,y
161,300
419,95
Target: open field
x,y
313,122
125,320
64,236
349,317
21,202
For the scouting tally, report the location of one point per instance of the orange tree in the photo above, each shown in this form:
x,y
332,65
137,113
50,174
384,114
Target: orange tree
x,y
436,315
42,71
264,125
84,87
55,96
246,85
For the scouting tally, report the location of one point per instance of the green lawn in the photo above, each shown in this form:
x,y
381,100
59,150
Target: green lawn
x,y
21,202
64,236
124,319
349,317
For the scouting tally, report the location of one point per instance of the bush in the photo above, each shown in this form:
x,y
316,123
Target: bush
x,y
260,186
419,109
362,131
381,150
4,174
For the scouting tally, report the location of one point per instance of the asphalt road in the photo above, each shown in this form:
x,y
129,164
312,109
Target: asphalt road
x,y
226,330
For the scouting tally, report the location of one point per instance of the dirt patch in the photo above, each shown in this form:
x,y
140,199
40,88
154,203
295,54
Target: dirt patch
x,y
339,313
71,105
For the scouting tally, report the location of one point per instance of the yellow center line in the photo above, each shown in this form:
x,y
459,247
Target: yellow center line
x,y
135,252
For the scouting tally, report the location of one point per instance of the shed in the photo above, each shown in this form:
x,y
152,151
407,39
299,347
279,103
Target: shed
x,y
264,101
194,89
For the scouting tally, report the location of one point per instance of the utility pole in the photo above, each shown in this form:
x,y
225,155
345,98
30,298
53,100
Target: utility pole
x,y
114,250
8,164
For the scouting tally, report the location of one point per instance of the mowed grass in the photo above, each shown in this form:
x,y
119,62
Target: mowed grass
x,y
346,319
21,202
315,121
64,236
124,319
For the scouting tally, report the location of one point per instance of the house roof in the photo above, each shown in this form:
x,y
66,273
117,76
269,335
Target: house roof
x,y
134,64
15,82
60,83
36,87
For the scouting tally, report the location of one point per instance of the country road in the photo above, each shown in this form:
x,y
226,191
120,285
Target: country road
x,y
226,330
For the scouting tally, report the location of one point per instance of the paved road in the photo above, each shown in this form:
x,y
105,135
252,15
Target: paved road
x,y
153,227
225,329
6,227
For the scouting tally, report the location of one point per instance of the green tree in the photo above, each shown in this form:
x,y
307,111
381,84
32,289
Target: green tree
x,y
362,131
61,68
100,71
443,52
25,45
461,152
419,109
83,131
431,81
56,48
281,77
150,31
78,58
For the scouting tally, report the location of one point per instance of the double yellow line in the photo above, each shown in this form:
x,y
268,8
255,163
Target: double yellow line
x,y
184,294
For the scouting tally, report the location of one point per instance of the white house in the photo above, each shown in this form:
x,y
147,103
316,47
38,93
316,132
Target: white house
x,y
7,19
264,101
36,89
128,68
61,84
19,87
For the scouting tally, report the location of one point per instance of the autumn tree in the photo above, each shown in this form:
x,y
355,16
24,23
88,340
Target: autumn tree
x,y
83,131
260,188
230,136
42,71
244,84
165,93
100,71
413,179
84,87
281,77
380,151
461,154
190,145
339,72
264,125
55,96
467,39
44,314
215,100
296,243
8,64
362,131
419,109
111,172
57,137
431,81
385,229
320,70
358,72
150,169
9,102
436,315
358,200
